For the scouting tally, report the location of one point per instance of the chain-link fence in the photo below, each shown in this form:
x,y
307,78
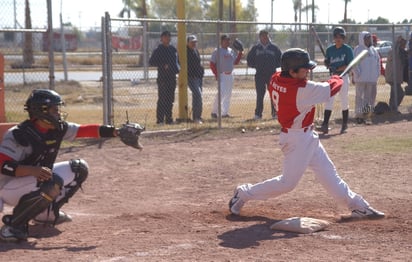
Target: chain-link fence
x,y
22,43
139,99
138,94
112,78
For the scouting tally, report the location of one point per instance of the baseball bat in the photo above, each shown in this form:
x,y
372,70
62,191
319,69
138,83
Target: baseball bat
x,y
354,62
315,34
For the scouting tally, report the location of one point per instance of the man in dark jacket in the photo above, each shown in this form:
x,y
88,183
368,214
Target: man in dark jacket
x,y
265,58
165,58
195,72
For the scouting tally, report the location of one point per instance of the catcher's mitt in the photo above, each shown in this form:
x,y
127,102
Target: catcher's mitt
x,y
238,45
129,134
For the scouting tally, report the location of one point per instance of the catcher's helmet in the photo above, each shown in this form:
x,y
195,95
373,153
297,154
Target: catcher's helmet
x,y
339,31
39,103
296,58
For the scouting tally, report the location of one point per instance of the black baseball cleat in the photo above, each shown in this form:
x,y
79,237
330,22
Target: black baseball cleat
x,y
323,128
344,129
11,234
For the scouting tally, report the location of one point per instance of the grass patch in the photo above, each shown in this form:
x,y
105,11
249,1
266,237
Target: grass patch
x,y
381,144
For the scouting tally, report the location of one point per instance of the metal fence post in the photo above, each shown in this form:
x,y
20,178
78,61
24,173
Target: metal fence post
x,y
145,52
395,53
51,45
2,104
107,77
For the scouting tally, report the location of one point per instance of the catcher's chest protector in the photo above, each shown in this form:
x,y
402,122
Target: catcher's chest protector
x,y
45,147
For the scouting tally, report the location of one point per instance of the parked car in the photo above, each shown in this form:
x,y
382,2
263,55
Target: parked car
x,y
384,47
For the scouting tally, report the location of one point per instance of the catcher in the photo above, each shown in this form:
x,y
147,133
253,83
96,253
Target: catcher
x,y
30,180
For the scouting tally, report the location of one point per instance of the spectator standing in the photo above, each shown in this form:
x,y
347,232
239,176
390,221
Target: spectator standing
x,y
195,72
338,57
228,58
408,88
405,62
165,58
395,81
265,58
375,40
365,76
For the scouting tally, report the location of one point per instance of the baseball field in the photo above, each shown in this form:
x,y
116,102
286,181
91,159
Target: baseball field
x,y
169,202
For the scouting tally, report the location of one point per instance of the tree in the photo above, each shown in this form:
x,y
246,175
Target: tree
x,y
195,10
28,57
249,14
345,15
380,20
138,7
311,8
297,7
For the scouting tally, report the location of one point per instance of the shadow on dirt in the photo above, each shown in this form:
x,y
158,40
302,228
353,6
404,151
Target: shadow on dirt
x,y
251,236
36,232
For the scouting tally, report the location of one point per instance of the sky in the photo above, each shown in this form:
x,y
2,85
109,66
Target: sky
x,y
87,13
331,11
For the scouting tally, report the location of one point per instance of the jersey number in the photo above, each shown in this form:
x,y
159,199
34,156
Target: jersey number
x,y
275,99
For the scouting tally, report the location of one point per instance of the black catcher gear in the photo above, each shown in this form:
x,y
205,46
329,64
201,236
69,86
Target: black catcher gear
x,y
129,133
295,58
39,103
33,203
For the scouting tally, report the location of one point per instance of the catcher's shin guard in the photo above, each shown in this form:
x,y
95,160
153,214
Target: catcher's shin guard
x,y
81,170
33,203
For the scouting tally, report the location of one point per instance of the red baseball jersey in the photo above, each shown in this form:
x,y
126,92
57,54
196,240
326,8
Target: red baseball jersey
x,y
295,99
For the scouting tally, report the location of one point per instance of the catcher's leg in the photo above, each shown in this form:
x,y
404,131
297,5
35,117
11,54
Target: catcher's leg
x,y
74,173
80,168
29,206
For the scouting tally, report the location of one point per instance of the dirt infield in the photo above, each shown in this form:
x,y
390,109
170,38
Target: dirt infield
x,y
169,202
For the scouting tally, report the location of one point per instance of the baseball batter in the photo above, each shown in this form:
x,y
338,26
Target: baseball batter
x,y
30,180
295,97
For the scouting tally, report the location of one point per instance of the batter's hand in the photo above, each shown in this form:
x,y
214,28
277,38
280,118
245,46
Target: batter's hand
x,y
335,77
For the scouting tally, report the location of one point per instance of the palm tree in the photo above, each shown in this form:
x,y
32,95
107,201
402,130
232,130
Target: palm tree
x,y
297,7
139,7
345,15
311,8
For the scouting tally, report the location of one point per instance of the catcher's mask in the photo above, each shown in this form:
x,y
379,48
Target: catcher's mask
x,y
295,58
45,105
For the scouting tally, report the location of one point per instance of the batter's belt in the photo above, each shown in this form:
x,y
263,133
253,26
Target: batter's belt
x,y
304,130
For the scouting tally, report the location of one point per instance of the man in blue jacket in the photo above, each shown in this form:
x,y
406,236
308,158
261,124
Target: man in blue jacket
x,y
165,58
265,58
